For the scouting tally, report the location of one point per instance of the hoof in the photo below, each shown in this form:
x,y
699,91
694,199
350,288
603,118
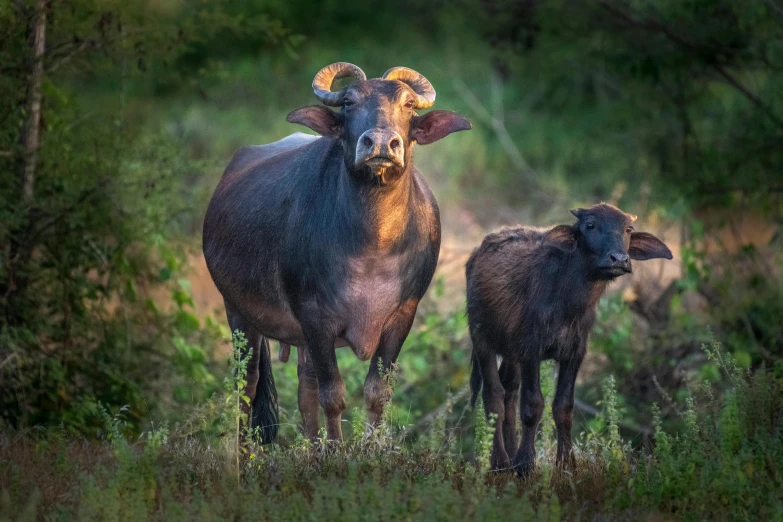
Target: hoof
x,y
566,464
500,462
525,468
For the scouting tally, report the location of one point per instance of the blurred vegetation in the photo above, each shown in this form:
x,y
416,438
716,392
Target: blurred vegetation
x,y
668,109
94,213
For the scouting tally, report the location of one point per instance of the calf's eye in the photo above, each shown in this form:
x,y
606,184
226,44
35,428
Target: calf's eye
x,y
590,225
629,229
409,104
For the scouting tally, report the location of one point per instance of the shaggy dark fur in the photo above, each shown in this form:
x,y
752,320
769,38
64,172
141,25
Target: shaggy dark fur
x,y
532,296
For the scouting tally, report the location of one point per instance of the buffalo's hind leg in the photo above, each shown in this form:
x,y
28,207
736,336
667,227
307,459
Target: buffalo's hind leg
x,y
376,391
510,378
260,386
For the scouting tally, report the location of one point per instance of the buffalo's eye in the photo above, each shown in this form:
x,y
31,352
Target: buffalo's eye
x,y
347,103
589,225
629,230
409,104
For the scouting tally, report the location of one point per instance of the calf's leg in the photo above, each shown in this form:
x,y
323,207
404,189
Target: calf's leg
x,y
510,378
376,392
492,393
531,409
563,407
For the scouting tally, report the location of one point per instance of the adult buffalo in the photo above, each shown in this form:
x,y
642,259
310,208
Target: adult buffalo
x,y
322,242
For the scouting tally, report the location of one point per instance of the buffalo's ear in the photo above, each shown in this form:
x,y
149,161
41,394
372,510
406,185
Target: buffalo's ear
x,y
562,237
647,246
436,125
322,120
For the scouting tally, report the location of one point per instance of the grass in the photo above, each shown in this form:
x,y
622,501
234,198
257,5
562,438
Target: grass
x,y
725,465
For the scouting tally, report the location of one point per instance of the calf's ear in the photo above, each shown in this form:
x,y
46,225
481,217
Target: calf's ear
x,y
647,246
436,125
322,120
562,237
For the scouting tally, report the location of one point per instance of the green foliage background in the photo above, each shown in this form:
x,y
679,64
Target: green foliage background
x,y
670,109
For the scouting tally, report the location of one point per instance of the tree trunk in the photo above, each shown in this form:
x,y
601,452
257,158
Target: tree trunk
x,y
19,250
34,100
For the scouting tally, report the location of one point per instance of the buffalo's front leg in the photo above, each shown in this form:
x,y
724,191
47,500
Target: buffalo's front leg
x,y
376,391
331,389
531,408
307,393
563,407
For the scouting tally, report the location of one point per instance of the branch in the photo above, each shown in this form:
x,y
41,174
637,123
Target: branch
x,y
592,410
748,94
429,417
79,48
8,360
580,405
775,7
44,226
654,25
496,122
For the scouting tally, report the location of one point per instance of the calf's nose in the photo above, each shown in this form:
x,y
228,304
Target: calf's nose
x,y
618,258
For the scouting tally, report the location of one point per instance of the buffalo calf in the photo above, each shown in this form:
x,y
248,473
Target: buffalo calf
x,y
532,296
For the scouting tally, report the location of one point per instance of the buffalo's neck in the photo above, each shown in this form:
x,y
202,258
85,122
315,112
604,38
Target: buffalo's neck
x,y
390,212
386,209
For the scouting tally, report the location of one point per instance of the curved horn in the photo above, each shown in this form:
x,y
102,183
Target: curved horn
x,y
322,83
425,93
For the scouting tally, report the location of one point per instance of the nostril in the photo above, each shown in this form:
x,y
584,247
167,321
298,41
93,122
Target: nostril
x,y
618,257
367,141
394,143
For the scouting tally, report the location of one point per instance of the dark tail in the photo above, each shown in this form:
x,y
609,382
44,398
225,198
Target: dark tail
x,y
266,415
475,380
